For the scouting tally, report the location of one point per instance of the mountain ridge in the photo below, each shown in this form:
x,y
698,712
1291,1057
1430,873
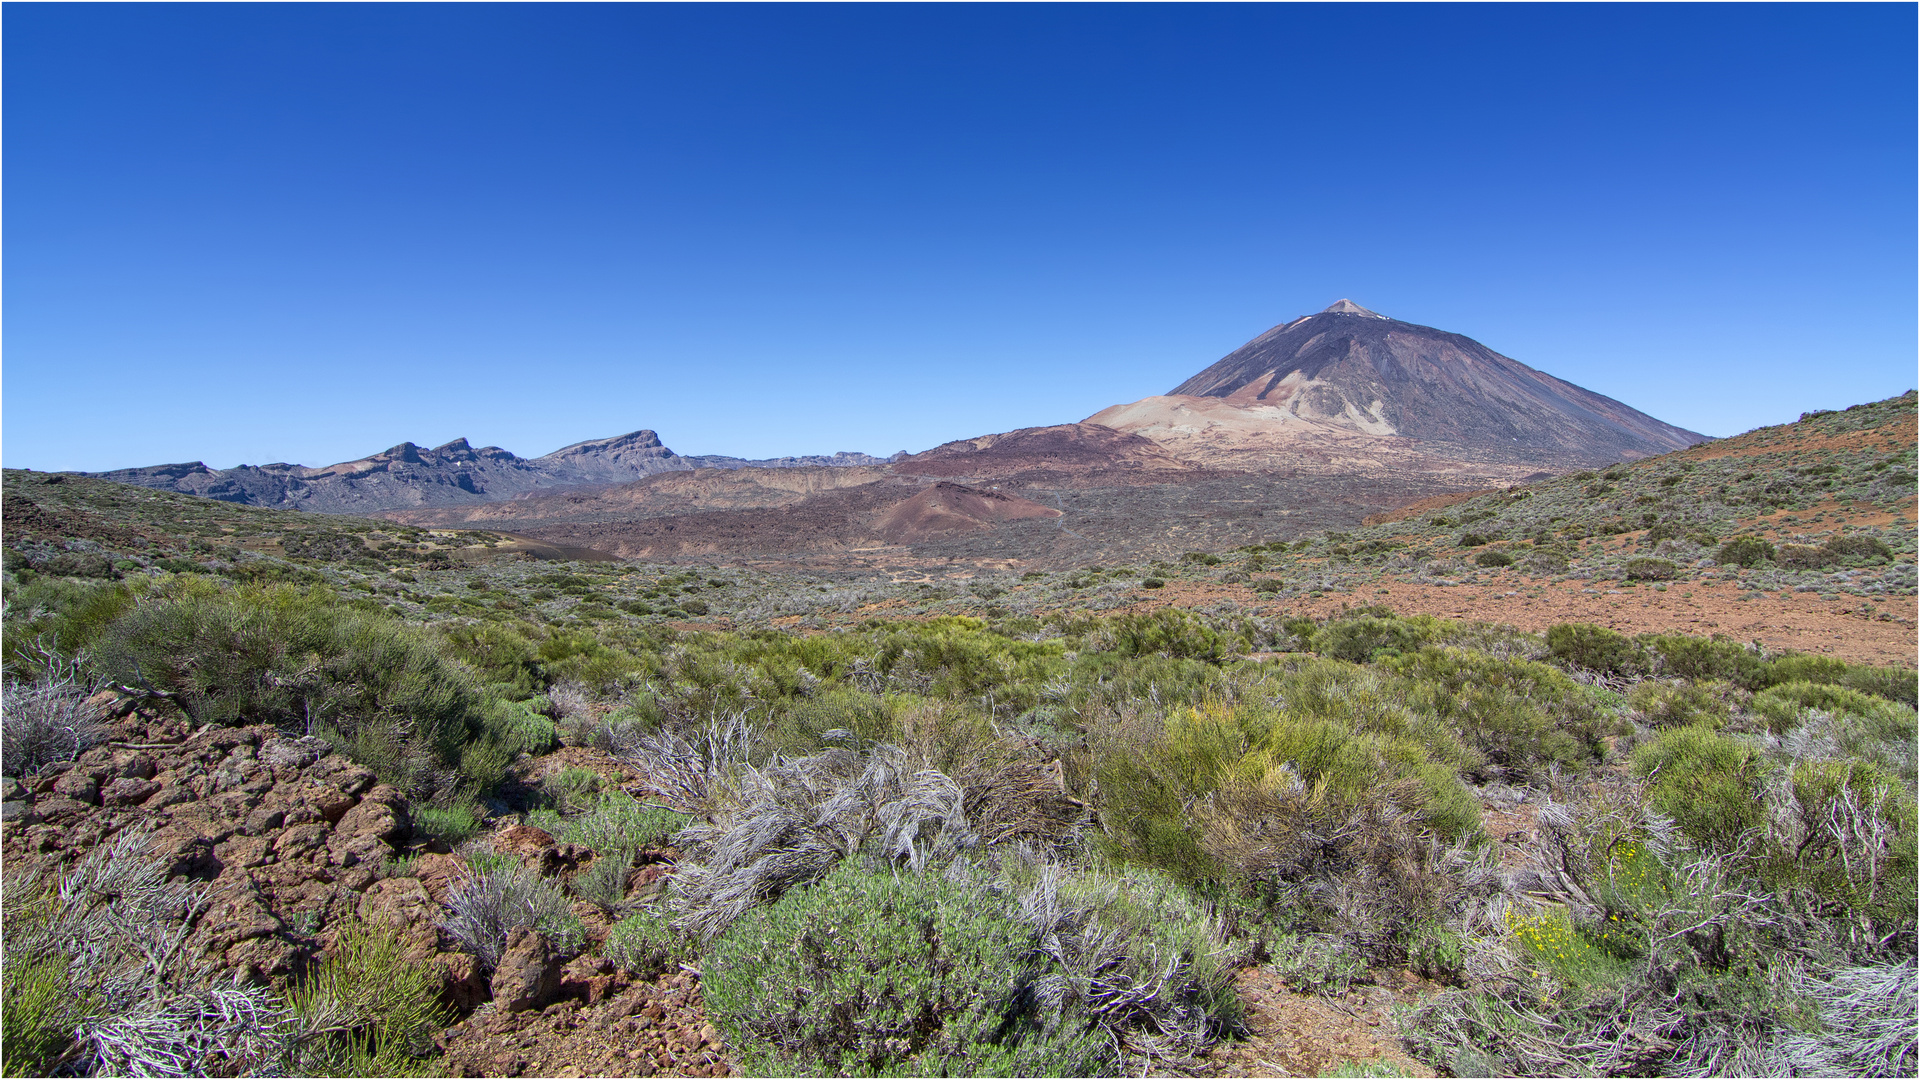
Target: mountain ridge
x,y
453,473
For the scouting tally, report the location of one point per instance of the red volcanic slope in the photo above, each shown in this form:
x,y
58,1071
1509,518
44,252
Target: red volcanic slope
x,y
949,508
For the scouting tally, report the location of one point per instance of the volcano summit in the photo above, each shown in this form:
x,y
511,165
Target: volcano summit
x,y
1348,372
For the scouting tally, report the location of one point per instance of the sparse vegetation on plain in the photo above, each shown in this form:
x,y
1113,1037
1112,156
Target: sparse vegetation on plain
x,y
1022,822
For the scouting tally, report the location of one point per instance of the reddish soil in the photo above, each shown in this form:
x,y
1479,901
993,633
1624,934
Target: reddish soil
x,y
1415,509
947,507
1061,448
655,1028
1891,438
1878,630
1293,1034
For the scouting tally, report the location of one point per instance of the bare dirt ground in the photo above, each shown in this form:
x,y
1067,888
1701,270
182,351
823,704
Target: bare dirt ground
x,y
1291,1034
1875,630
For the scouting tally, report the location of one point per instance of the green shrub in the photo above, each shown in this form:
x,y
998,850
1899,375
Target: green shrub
x,y
1153,917
1706,782
1857,546
1473,540
604,882
518,728
499,654
1168,632
872,973
1710,658
1744,551
573,790
799,729
1645,569
1841,805
1802,557
1493,558
452,824
646,944
1343,732
620,822
1521,715
1595,648
36,1018
1152,583
1359,640
68,616
1668,705
367,1009
1894,684
279,655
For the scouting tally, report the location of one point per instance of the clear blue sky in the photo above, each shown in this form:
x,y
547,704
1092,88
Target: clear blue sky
x,y
304,233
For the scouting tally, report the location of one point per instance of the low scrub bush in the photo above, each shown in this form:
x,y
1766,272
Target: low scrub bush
x,y
47,719
1677,704
378,688
1708,783
1343,733
604,882
1168,632
1359,640
646,944
52,615
840,717
485,906
1894,684
94,981
1138,946
1493,558
573,790
1784,706
619,822
499,654
518,728
1660,959
1522,716
1802,557
366,1009
1595,648
36,1005
1548,939
1857,546
1709,658
453,824
871,973
1748,551
1844,829
1650,569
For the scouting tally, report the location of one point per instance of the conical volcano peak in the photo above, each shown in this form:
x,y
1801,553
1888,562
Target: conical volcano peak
x,y
1375,375
1343,306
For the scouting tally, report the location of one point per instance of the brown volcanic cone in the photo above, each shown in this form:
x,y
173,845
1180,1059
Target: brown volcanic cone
x,y
947,508
1060,450
1351,368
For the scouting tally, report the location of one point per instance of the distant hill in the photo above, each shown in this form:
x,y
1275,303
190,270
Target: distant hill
x,y
456,473
1352,378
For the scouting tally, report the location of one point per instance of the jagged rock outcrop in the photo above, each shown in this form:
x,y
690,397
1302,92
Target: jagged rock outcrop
x,y
451,474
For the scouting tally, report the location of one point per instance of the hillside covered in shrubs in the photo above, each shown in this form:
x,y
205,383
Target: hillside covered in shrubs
x,y
288,793
259,827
